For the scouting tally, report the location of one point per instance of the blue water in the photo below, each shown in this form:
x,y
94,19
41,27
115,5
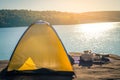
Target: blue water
x,y
98,37
8,40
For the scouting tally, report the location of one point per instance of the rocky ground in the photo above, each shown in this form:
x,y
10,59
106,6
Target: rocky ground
x,y
110,71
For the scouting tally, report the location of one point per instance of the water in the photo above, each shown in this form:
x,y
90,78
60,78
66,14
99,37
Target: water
x,y
8,40
98,37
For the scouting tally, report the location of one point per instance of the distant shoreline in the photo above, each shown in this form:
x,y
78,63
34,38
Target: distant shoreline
x,y
61,24
26,17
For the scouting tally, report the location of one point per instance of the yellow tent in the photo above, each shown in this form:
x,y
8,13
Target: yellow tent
x,y
40,48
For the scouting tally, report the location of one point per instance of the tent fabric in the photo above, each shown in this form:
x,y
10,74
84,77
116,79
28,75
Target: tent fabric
x,y
28,65
39,48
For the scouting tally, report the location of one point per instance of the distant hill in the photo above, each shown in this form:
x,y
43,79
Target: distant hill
x,y
10,18
101,16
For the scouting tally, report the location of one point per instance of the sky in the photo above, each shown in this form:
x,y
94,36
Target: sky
x,y
76,6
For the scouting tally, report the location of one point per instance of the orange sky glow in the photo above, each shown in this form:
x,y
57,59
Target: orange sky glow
x,y
62,5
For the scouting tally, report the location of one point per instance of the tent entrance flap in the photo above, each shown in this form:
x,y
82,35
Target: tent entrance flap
x,y
28,65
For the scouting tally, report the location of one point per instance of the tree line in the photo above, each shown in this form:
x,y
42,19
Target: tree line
x,y
10,18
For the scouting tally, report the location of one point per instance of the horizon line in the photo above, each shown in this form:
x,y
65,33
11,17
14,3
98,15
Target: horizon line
x,y
63,11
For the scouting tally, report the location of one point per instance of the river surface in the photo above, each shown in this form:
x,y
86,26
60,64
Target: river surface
x,y
98,37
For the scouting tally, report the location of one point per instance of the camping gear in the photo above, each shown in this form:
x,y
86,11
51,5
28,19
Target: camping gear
x,y
86,59
39,55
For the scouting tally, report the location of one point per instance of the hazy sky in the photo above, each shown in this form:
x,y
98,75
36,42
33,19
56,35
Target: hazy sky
x,y
62,5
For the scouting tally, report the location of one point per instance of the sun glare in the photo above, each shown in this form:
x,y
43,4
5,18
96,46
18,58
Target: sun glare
x,y
95,28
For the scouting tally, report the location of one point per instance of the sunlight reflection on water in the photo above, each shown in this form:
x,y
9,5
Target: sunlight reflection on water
x,y
98,37
95,30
